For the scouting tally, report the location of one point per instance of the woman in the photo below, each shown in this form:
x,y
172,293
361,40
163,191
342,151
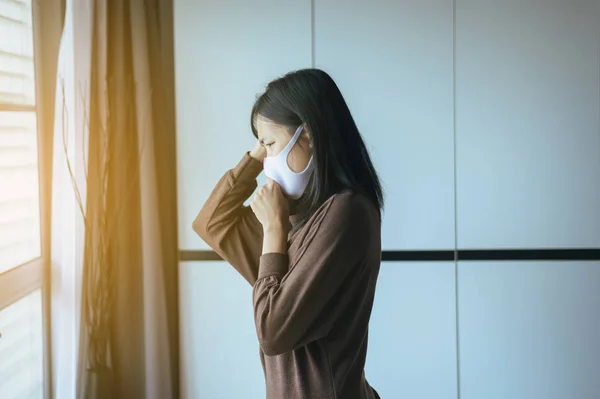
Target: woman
x,y
310,241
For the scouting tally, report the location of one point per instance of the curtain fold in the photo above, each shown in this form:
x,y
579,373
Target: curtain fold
x,y
130,110
115,139
48,21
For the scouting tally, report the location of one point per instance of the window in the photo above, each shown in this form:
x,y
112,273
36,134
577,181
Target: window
x,y
21,353
22,262
19,198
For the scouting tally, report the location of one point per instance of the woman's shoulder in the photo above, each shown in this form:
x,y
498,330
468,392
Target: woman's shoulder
x,y
349,217
350,207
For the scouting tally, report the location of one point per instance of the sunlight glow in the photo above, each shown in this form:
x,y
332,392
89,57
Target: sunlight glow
x,y
19,187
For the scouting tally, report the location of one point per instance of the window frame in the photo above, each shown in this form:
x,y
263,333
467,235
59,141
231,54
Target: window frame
x,y
24,279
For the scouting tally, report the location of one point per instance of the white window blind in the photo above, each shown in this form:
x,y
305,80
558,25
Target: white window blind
x,y
21,349
16,53
19,186
21,323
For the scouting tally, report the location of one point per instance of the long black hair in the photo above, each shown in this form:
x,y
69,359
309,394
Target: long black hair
x,y
341,159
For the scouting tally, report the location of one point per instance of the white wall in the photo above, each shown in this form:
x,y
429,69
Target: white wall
x,y
226,51
393,63
219,352
529,330
412,338
528,123
483,119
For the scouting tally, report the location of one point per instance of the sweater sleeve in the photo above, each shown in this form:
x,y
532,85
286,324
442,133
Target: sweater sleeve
x,y
295,307
227,225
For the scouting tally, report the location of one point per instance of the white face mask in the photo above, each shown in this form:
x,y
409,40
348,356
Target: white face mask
x,y
276,167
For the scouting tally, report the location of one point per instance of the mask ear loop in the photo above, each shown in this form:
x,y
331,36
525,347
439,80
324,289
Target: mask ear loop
x,y
292,142
310,161
285,153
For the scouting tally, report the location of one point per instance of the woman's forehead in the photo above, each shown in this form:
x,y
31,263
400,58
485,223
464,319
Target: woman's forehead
x,y
268,129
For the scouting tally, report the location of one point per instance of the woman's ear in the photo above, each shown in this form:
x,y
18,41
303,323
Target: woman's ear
x,y
306,133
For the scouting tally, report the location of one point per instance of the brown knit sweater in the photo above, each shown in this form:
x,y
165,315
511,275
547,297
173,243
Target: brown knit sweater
x,y
311,306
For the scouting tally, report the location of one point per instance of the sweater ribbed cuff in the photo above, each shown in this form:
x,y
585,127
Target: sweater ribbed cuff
x,y
273,264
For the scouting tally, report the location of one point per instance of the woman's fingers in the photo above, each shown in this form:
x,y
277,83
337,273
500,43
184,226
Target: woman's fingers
x,y
276,187
273,185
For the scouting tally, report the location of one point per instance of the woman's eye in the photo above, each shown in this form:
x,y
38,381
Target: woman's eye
x,y
268,145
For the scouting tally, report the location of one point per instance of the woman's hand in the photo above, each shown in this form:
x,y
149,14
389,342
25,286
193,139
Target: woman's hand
x,y
270,206
259,152
272,210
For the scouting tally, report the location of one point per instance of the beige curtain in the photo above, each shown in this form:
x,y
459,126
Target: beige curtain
x,y
48,23
129,321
